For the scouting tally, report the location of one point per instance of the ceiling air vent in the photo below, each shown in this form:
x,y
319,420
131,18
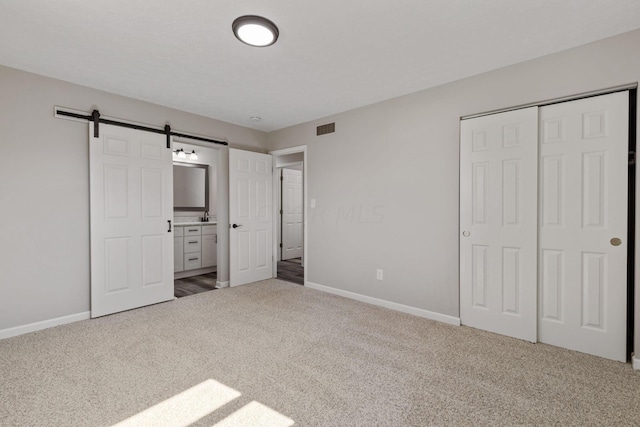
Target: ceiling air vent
x,y
325,129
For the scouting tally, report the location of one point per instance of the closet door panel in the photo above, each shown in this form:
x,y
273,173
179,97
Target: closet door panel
x,y
583,206
498,222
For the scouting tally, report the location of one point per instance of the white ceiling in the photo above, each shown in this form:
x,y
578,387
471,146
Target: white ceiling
x,y
332,55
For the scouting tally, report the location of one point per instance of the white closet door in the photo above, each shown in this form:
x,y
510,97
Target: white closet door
x,y
583,207
291,214
498,223
131,192
250,216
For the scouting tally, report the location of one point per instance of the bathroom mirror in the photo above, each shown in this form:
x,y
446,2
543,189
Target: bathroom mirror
x,y
190,187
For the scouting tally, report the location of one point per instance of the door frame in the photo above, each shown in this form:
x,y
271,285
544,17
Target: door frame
x,y
222,200
275,153
278,174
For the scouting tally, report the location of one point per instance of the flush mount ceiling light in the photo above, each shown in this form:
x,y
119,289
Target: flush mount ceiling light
x,y
255,30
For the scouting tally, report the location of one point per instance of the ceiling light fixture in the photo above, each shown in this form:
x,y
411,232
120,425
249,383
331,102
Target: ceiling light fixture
x,y
255,30
255,118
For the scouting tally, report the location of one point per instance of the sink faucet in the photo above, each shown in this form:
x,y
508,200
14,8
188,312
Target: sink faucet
x,y
205,216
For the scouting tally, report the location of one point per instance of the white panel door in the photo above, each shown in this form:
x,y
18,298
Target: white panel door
x,y
583,207
250,216
131,192
292,224
498,222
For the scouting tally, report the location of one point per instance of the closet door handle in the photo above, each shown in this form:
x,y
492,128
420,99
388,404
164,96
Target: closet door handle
x,y
236,225
466,233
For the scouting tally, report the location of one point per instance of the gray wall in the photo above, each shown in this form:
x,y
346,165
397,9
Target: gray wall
x,y
386,183
44,189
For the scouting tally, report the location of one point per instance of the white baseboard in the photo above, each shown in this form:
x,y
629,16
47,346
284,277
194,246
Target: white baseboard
x,y
37,326
388,304
636,363
222,284
197,272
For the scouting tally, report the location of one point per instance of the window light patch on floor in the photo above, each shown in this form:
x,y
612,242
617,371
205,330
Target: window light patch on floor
x,y
255,414
184,408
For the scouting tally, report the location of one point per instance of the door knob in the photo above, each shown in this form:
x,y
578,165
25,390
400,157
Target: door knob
x,y
236,225
615,241
466,233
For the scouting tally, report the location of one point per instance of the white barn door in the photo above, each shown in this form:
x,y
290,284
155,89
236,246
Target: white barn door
x,y
498,223
583,210
292,226
131,192
250,216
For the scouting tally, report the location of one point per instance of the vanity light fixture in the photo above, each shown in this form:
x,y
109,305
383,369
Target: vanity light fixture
x,y
255,30
179,153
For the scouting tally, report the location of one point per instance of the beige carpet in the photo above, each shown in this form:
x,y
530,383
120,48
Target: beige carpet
x,y
276,352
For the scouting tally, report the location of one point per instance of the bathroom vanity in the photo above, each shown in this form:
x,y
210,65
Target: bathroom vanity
x,y
195,247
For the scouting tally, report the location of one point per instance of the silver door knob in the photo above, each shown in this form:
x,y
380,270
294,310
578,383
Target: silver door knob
x,y
615,241
466,233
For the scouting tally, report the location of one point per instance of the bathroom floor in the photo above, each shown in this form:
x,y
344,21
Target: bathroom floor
x,y
194,285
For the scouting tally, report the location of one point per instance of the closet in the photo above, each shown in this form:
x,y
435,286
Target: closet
x,y
543,224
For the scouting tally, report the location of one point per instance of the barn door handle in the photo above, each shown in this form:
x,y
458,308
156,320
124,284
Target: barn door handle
x,y
169,230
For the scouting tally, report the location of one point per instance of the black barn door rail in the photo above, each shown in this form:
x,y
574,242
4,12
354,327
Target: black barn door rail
x,y
95,118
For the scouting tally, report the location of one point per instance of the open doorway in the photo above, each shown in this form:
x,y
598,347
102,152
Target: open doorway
x,y
195,195
290,265
289,201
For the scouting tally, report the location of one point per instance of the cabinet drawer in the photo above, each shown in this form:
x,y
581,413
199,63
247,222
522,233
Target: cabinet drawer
x,y
209,229
178,231
192,261
192,230
192,244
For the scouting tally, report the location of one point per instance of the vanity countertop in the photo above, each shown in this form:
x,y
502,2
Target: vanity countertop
x,y
179,224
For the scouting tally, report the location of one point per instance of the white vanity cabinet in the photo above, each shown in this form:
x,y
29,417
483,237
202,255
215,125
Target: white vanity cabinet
x,y
195,247
209,246
178,249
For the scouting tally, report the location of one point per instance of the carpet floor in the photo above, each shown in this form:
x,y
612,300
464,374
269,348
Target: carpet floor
x,y
275,353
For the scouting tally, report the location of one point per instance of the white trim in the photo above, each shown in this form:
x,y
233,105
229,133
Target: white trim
x,y
197,272
621,88
37,326
222,284
305,210
387,304
290,150
636,363
290,164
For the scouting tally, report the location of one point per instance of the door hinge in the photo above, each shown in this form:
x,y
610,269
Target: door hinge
x,y
281,178
632,157
280,211
280,244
